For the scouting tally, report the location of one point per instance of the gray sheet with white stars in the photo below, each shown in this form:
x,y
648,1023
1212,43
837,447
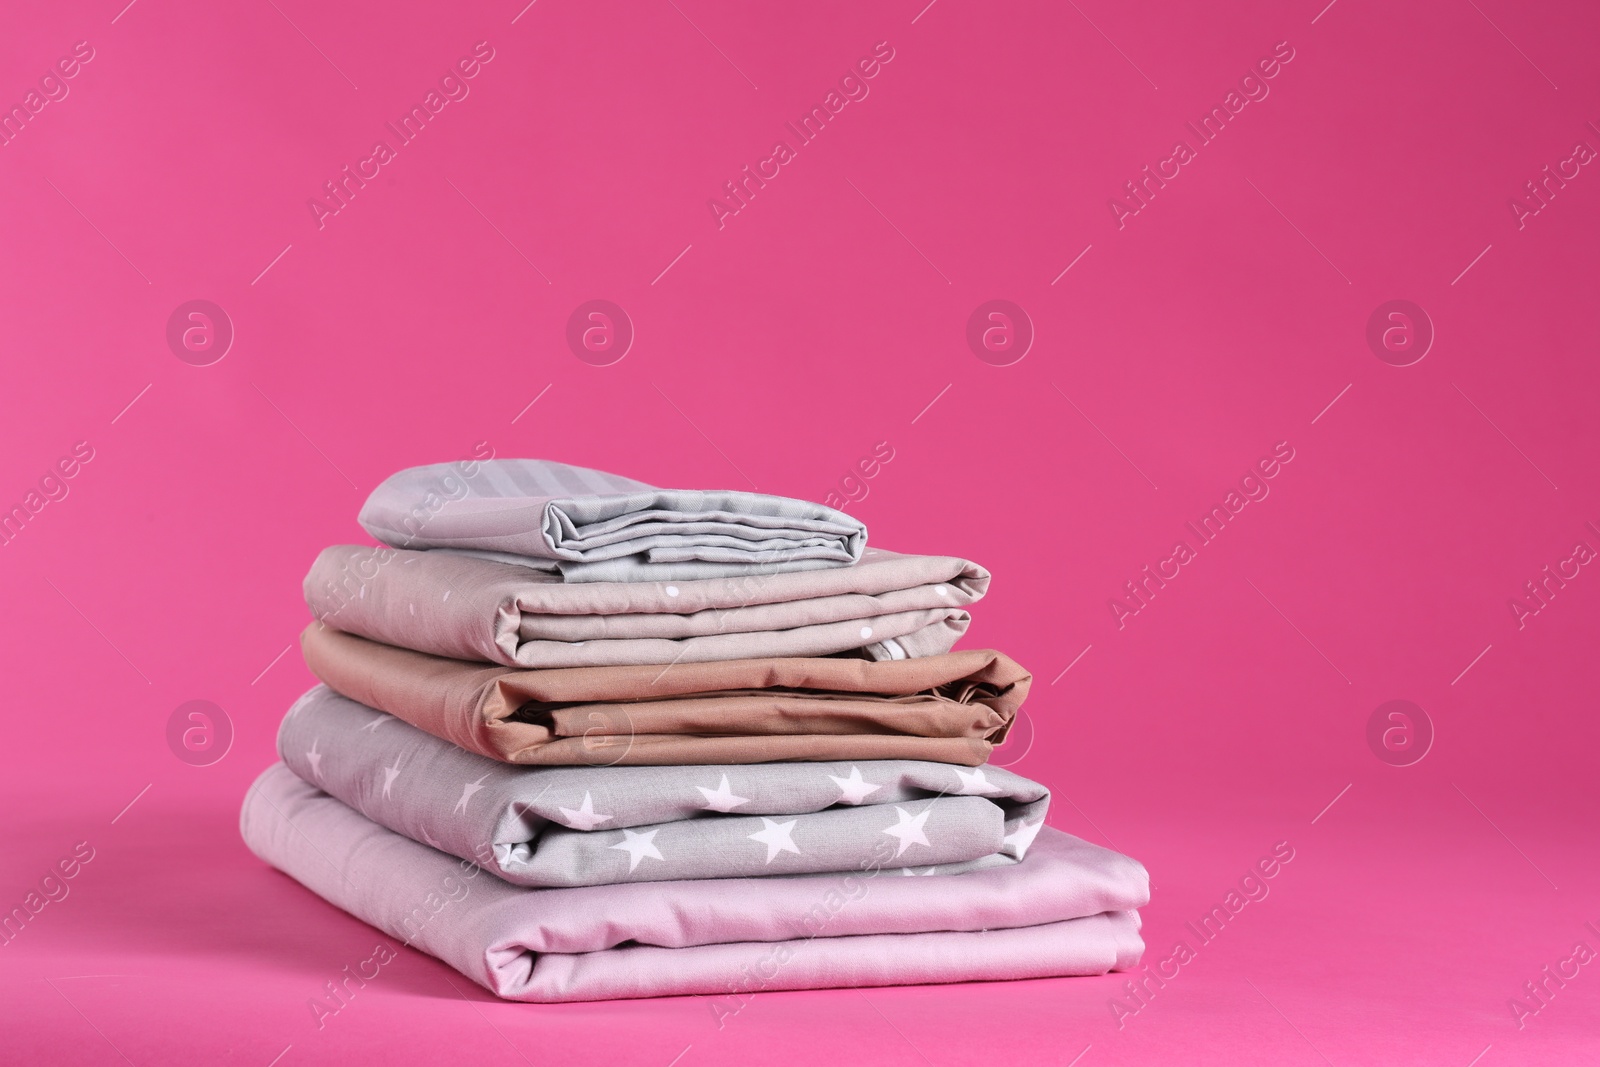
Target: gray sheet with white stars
x,y
573,826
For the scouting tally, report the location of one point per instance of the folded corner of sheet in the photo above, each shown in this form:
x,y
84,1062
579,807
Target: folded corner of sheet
x,y
258,815
1138,875
1129,940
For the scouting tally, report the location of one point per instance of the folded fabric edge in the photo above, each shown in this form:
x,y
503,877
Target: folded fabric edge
x,y
1063,947
514,826
729,973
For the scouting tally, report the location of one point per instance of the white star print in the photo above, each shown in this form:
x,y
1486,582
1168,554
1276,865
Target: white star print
x,y
909,828
467,790
973,783
316,759
854,789
721,798
637,846
776,836
584,818
1022,837
389,775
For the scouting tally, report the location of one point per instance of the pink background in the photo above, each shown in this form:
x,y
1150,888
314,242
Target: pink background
x,y
830,314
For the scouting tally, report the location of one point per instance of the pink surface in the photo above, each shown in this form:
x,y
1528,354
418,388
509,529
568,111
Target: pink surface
x,y
829,314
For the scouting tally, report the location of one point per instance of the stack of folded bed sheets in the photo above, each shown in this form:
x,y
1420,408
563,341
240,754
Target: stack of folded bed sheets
x,y
581,738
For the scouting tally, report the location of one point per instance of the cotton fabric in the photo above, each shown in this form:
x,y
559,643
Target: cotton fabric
x,y
892,606
589,525
1066,909
951,708
594,826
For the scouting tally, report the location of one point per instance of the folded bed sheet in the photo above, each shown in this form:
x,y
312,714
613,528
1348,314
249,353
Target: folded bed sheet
x,y
588,525
600,825
1067,909
891,605
951,708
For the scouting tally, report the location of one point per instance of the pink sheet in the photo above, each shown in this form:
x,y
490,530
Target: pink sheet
x,y
1066,909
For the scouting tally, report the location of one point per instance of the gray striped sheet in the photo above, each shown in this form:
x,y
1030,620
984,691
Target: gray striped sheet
x,y
594,526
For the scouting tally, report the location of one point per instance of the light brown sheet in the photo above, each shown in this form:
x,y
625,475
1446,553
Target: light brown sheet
x,y
950,708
